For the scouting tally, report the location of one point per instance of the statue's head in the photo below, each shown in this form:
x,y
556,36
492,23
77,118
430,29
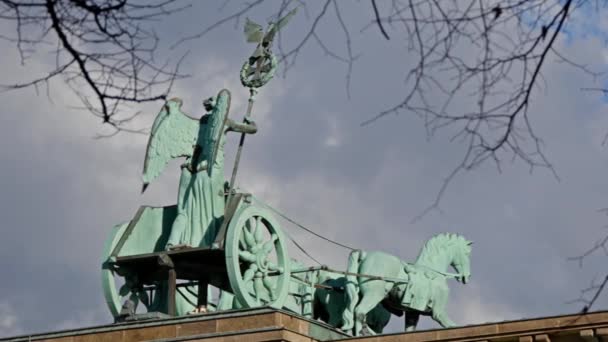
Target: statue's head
x,y
462,259
209,104
219,104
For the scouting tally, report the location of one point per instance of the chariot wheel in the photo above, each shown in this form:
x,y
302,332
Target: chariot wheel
x,y
256,258
114,295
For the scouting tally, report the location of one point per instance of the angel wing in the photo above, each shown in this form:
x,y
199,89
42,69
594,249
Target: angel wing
x,y
279,25
253,31
173,135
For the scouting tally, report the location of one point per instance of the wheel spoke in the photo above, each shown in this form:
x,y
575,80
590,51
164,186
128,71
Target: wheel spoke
x,y
258,288
251,224
248,276
269,245
242,244
267,248
269,287
259,236
249,239
247,256
272,267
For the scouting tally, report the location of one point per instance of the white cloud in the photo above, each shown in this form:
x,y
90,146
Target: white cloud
x,y
333,138
9,321
471,307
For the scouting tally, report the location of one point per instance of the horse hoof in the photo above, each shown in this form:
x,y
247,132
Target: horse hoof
x,y
366,332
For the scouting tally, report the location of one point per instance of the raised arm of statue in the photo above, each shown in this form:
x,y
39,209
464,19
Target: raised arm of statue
x,y
249,127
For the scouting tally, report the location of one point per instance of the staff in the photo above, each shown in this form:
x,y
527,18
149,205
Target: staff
x,y
257,71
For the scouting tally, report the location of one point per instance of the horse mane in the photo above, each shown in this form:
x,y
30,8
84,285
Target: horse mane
x,y
437,246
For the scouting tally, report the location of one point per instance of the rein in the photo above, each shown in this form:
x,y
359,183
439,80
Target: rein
x,y
445,274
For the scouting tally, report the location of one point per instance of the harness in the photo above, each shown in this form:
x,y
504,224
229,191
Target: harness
x,y
417,294
410,266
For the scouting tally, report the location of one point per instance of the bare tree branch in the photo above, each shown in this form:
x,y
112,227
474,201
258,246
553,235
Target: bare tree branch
x,y
482,60
594,288
474,65
437,31
378,21
102,50
236,17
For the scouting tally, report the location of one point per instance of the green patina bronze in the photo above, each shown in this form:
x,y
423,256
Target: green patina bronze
x,y
260,67
149,232
159,246
330,304
422,291
200,205
255,244
167,260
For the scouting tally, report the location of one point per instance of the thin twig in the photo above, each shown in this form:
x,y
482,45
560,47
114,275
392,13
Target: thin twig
x,y
378,21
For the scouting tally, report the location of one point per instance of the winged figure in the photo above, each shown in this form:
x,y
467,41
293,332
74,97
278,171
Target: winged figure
x,y
173,135
255,34
201,197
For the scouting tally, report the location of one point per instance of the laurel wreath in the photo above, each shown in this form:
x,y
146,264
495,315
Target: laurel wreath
x,y
264,76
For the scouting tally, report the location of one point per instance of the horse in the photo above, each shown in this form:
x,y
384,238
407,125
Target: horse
x,y
325,302
329,302
415,289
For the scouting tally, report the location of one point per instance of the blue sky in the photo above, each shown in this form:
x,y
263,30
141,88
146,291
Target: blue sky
x,y
64,190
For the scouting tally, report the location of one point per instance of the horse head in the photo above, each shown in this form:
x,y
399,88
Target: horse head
x,y
461,258
445,250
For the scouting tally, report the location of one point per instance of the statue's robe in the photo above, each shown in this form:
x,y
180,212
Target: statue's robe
x,y
202,197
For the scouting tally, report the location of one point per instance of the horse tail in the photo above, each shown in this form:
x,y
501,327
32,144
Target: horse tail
x,y
352,290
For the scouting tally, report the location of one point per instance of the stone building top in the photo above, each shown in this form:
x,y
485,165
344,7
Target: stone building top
x,y
278,325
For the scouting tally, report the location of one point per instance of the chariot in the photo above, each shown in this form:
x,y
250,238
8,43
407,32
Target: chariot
x,y
232,242
248,258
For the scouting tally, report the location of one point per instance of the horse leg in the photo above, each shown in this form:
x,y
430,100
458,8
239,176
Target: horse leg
x,y
439,313
443,319
368,301
411,320
378,318
334,319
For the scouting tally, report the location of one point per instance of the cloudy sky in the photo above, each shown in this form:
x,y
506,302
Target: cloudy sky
x,y
62,190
